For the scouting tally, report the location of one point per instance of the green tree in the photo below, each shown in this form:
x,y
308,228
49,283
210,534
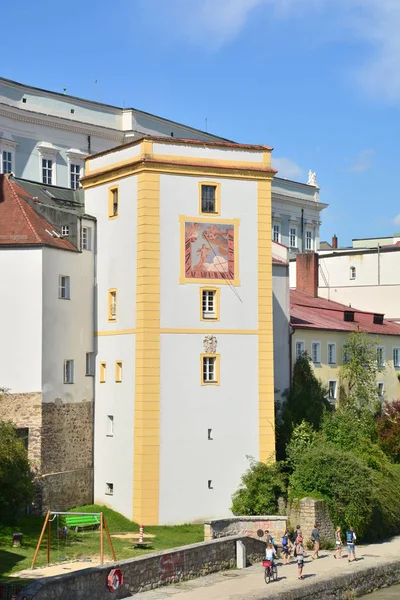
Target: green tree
x,y
358,373
303,437
16,477
388,426
261,486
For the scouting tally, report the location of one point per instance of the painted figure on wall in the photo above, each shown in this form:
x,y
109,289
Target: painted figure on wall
x,y
209,250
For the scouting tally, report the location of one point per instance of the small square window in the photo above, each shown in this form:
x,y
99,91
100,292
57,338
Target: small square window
x,y
112,305
209,304
110,425
210,369
316,353
74,173
64,287
109,489
113,202
103,368
332,387
68,371
86,238
65,230
209,198
90,361
118,371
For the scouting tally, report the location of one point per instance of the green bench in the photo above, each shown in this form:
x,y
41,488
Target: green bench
x,y
80,521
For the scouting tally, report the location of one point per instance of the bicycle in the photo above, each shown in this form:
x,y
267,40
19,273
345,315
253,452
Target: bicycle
x,y
271,571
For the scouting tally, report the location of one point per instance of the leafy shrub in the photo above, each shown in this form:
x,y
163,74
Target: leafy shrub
x,y
388,426
261,486
16,478
303,437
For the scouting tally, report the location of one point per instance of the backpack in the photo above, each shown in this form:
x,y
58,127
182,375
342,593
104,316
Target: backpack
x,y
349,537
284,541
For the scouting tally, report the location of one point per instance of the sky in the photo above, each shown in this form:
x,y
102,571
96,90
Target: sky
x,y
319,80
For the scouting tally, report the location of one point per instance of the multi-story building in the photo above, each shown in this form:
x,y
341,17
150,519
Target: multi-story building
x,y
45,136
281,313
184,380
321,328
46,323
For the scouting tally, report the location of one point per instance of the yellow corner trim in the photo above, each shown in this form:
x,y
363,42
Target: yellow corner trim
x,y
216,292
217,369
113,198
114,332
181,330
217,187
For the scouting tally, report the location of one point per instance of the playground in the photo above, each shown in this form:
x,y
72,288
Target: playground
x,y
81,538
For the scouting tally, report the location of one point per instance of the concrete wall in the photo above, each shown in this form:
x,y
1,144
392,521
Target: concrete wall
x,y
147,572
281,312
254,527
306,512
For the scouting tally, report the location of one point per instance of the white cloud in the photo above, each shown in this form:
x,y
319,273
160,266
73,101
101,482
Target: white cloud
x,y
287,168
396,220
362,162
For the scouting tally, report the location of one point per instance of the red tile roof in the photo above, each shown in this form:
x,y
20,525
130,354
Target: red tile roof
x,y
20,225
307,312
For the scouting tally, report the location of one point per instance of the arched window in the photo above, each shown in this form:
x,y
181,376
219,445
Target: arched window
x,y
353,273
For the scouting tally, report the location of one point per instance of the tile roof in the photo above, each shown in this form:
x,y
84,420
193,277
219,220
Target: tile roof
x,y
20,225
307,312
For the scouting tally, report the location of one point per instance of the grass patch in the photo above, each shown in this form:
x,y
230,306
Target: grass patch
x,y
81,545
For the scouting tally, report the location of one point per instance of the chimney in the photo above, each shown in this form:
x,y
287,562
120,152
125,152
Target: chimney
x,y
334,241
307,273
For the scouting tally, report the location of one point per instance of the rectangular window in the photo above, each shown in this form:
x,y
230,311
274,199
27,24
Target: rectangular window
x,y
210,437
309,240
209,304
380,356
47,171
64,287
75,173
22,433
103,368
118,371
110,426
112,305
65,230
7,161
300,348
345,355
86,238
109,489
276,233
208,199
210,369
68,371
396,357
293,237
332,387
90,364
381,389
316,353
332,354
113,202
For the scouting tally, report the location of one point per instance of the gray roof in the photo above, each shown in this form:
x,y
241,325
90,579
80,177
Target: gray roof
x,y
54,196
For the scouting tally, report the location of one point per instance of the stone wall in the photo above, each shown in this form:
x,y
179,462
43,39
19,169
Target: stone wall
x,y
62,491
147,572
246,526
306,512
25,410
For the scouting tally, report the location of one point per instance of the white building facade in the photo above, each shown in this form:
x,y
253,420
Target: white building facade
x,y
184,373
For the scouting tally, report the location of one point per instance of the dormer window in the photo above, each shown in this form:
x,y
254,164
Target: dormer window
x,y
348,316
378,319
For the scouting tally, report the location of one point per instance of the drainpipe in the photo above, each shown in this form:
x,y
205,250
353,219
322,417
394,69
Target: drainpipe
x,y
379,265
302,229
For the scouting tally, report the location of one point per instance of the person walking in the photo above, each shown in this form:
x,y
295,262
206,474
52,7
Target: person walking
x,y
338,540
286,547
351,539
294,539
300,556
316,539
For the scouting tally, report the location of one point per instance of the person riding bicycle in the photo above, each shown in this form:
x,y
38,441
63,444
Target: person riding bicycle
x,y
270,553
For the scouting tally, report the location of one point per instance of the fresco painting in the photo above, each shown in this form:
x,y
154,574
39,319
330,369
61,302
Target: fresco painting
x,y
209,250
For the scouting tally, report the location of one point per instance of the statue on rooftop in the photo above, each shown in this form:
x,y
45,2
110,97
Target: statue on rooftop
x,y
312,178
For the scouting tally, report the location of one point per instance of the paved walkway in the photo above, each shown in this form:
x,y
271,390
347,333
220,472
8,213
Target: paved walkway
x,y
249,583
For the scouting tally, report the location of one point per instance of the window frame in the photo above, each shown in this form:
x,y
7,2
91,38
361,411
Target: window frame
x,y
335,381
295,348
216,291
109,488
88,246
317,363
49,170
7,145
63,229
381,365
110,426
311,238
278,226
217,207
90,364
67,287
216,358
296,239
102,371
111,191
353,273
396,366
112,318
118,371
69,361
334,363
74,163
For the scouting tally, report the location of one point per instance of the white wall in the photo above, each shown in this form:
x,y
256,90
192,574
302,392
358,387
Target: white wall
x,y
21,319
188,459
113,456
67,324
281,311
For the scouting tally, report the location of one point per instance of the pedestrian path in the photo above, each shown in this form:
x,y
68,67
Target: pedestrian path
x,y
249,583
